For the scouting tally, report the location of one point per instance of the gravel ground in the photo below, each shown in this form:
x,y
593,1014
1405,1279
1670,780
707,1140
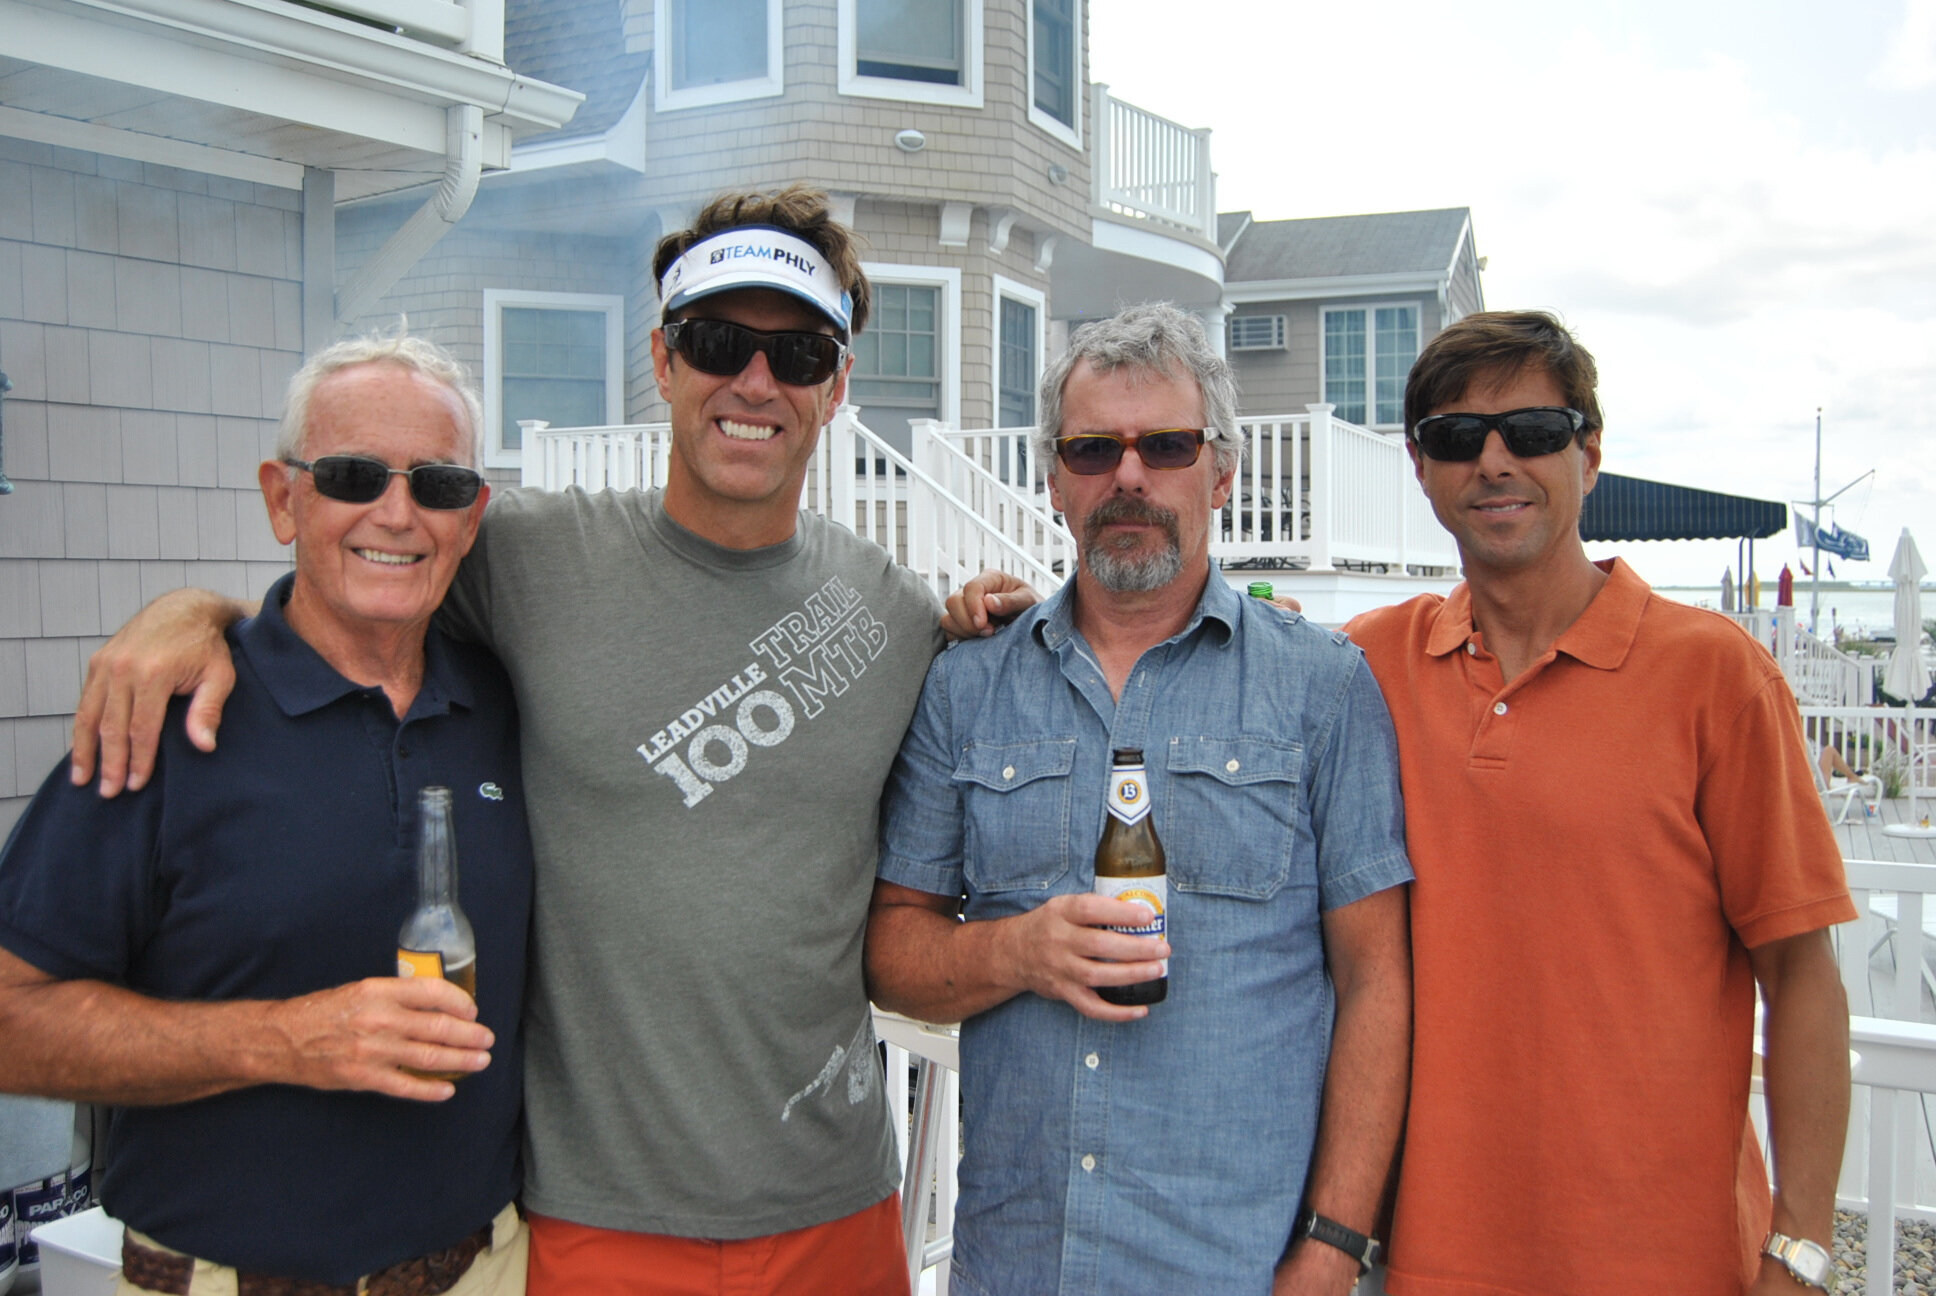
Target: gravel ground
x,y
1915,1255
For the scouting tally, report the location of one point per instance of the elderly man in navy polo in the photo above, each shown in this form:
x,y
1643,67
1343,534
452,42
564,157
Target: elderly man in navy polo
x,y
214,954
1236,1137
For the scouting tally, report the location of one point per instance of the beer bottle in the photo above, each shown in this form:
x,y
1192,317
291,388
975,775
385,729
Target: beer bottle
x,y
1262,590
437,940
1130,866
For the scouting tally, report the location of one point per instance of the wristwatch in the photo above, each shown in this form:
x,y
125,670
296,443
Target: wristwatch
x,y
1807,1262
1312,1225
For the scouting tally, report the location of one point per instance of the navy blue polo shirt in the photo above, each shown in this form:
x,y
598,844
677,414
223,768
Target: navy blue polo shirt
x,y
283,863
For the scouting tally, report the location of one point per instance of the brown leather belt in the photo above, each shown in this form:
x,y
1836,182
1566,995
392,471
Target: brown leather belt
x,y
427,1275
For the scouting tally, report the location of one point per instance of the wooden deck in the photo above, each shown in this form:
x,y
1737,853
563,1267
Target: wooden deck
x,y
1862,836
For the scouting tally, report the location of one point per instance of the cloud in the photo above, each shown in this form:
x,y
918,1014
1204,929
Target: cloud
x,y
1737,245
1909,62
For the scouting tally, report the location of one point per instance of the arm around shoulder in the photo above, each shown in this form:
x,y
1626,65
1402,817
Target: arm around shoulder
x,y
174,645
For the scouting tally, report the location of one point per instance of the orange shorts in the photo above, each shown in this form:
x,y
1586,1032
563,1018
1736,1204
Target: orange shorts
x,y
859,1255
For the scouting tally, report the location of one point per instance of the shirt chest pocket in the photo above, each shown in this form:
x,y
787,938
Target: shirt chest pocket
x,y
1015,809
1230,816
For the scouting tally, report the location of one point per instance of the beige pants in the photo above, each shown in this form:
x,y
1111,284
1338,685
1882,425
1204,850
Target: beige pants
x,y
497,1271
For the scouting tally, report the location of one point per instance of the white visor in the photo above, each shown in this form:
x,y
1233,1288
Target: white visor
x,y
757,256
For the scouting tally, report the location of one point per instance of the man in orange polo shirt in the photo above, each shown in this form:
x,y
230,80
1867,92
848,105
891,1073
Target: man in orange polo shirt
x,y
1617,838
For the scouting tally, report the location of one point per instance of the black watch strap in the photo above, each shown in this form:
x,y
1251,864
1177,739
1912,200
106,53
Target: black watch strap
x,y
1312,1225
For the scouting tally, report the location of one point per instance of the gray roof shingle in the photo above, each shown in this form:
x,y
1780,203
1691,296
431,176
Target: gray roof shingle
x,y
1328,246
579,44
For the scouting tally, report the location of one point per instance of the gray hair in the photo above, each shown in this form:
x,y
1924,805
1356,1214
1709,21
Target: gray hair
x,y
418,355
1160,337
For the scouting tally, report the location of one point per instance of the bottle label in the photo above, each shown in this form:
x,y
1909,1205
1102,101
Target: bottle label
x,y
1129,798
1153,893
427,963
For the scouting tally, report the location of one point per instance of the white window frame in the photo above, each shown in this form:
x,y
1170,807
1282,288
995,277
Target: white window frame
x,y
1370,310
495,301
1069,133
851,82
667,99
1039,301
948,280
1280,332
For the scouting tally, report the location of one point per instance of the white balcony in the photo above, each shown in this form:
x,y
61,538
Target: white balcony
x,y
1150,167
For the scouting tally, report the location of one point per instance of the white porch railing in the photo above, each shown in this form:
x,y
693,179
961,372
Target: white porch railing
x,y
855,478
1894,1043
1819,673
1150,167
1313,492
1870,736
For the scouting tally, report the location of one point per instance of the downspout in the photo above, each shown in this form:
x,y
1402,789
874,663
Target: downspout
x,y
463,164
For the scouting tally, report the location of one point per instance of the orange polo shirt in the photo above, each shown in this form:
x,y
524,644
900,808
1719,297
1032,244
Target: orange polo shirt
x,y
1598,844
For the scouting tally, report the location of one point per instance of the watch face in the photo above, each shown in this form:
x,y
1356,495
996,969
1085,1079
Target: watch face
x,y
1808,1261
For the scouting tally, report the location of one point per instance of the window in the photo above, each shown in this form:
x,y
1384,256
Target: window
x,y
1019,314
1257,333
550,356
715,51
1367,353
928,51
1055,69
905,365
1016,395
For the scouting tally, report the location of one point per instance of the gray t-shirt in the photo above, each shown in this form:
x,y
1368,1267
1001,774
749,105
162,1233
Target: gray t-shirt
x,y
706,732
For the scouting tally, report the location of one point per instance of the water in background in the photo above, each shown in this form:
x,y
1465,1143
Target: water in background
x,y
1866,612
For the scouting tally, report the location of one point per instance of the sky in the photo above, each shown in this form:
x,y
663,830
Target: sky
x,y
1731,203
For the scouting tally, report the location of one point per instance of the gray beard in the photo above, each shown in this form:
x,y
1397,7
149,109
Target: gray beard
x,y
1131,571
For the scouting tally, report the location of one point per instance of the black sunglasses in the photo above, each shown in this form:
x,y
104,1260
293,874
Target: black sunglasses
x,y
1095,453
722,349
1528,433
355,479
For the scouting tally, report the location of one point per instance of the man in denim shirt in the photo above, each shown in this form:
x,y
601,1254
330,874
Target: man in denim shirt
x,y
1133,1149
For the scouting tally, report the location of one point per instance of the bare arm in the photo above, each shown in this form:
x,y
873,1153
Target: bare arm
x,y
174,645
979,608
925,964
93,1042
1806,1076
1369,953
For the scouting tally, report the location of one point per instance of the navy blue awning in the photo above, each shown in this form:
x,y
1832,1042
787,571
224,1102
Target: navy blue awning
x,y
1633,508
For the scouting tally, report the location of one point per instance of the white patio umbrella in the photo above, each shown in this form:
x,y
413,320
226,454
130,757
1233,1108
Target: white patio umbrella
x,y
1907,677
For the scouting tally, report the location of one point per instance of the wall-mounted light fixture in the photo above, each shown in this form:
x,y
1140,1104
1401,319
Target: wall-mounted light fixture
x,y
1058,174
910,141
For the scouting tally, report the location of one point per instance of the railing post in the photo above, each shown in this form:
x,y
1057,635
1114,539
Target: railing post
x,y
485,39
534,464
840,467
1206,185
1101,169
923,513
1323,518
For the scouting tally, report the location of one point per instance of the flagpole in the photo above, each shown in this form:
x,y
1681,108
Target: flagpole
x,y
1815,577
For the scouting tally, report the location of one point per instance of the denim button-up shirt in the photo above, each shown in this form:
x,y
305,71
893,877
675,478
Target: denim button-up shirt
x,y
1169,1154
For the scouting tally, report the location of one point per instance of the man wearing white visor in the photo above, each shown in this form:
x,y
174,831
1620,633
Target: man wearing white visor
x,y
712,686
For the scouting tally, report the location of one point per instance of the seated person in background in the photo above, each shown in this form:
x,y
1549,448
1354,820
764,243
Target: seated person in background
x,y
1834,766
213,953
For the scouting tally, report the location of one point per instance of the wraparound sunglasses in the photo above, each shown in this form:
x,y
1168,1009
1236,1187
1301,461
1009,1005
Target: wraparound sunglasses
x,y
1528,433
722,349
